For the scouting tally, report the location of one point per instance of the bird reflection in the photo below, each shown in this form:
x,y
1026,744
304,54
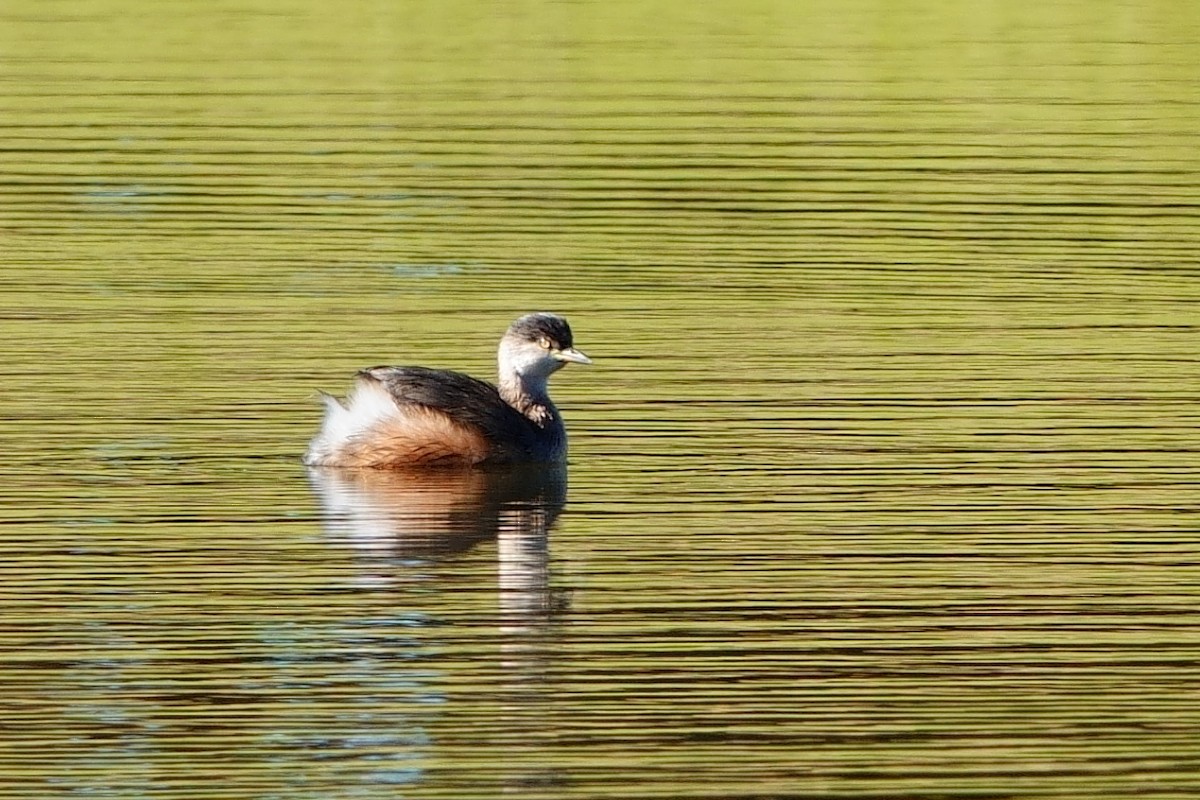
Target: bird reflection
x,y
400,525
391,518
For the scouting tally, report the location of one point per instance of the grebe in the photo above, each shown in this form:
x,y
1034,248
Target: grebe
x,y
412,416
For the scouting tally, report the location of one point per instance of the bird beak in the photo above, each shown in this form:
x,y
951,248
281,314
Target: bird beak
x,y
572,355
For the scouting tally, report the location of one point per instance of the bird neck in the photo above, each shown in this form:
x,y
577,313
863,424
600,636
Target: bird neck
x,y
529,396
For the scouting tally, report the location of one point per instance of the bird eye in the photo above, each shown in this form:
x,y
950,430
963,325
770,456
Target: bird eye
x,y
544,343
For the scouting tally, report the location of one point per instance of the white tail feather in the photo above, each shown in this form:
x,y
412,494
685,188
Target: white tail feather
x,y
368,406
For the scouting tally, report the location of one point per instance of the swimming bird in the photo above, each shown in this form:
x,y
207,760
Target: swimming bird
x,y
399,417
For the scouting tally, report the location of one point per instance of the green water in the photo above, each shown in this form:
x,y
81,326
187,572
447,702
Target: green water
x,y
883,484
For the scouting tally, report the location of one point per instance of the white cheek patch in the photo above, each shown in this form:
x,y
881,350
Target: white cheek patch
x,y
538,365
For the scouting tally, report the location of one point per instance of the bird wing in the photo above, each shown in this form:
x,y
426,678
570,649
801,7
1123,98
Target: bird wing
x,y
465,400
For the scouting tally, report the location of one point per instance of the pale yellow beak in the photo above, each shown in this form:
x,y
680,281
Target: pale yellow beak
x,y
572,355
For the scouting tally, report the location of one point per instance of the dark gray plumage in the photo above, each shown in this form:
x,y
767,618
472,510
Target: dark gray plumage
x,y
470,402
533,327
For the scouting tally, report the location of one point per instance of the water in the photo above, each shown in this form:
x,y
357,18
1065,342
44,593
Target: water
x,y
882,485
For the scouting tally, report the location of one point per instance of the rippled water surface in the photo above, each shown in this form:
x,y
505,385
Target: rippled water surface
x,y
883,484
